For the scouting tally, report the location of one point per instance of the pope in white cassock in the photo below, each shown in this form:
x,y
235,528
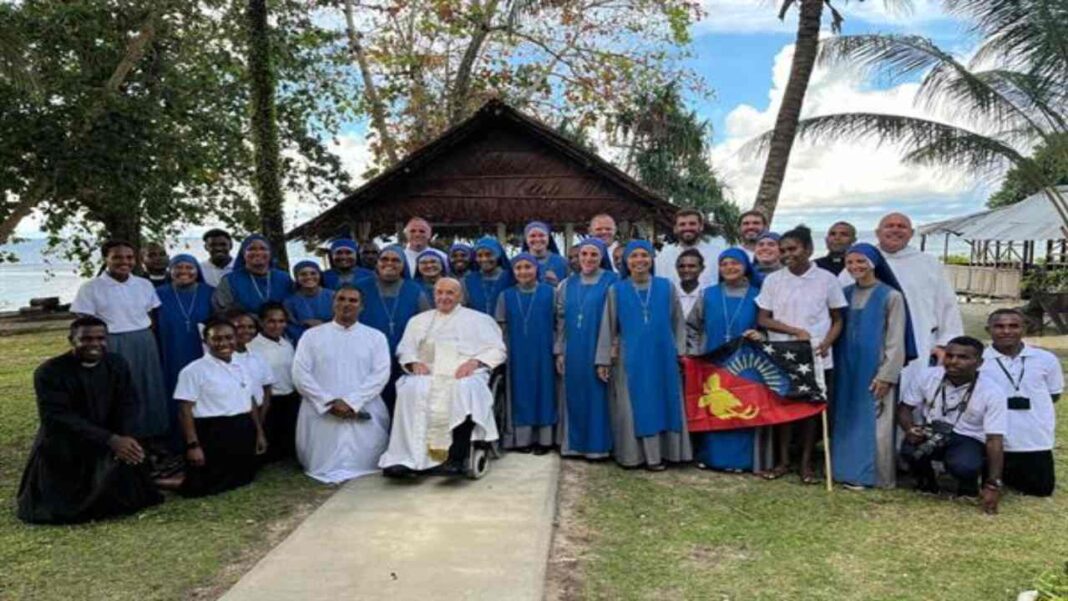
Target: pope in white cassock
x,y
931,300
340,369
444,400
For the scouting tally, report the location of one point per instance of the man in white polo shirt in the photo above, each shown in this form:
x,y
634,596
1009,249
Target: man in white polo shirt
x,y
962,424
1030,380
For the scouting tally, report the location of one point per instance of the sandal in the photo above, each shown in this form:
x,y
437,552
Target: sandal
x,y
775,473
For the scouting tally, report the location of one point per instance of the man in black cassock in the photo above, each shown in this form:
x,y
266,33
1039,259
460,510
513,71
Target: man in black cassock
x,y
83,466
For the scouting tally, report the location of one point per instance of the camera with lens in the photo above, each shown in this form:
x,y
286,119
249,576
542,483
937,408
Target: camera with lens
x,y
936,437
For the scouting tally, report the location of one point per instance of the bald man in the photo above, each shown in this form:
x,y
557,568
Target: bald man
x,y
603,227
444,400
417,233
931,300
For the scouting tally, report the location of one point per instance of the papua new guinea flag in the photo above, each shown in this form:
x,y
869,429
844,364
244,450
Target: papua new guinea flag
x,y
746,384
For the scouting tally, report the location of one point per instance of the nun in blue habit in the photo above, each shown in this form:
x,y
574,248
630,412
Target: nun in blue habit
x,y
254,280
344,264
461,259
584,427
643,334
185,304
726,312
526,314
427,280
491,275
875,344
310,304
538,241
390,300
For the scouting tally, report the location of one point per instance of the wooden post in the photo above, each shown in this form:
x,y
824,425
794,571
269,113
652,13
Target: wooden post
x,y
363,231
945,249
502,233
569,237
923,242
399,226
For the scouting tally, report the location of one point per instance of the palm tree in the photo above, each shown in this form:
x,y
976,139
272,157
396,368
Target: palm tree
x,y
809,20
1010,96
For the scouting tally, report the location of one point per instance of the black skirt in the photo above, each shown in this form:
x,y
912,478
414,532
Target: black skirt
x,y
229,445
281,427
66,482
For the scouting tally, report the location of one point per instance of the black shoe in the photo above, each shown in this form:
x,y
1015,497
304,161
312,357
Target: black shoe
x,y
542,450
398,471
928,485
658,467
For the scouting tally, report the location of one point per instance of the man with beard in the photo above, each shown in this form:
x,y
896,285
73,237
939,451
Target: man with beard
x,y
839,238
218,243
750,226
84,464
690,234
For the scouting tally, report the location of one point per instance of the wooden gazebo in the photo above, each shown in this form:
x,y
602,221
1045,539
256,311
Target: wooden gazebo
x,y
492,174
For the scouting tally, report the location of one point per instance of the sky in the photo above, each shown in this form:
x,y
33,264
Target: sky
x,y
743,52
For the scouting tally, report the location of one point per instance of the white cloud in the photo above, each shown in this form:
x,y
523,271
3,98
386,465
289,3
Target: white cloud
x,y
822,181
752,16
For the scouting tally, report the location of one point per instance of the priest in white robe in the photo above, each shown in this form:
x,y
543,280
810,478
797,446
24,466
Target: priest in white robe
x,y
340,369
444,400
931,299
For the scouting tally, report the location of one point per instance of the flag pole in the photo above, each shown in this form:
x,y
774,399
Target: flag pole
x,y
826,450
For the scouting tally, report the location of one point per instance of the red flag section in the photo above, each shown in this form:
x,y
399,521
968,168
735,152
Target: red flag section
x,y
716,399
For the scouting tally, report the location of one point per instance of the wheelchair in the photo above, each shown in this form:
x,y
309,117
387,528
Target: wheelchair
x,y
482,452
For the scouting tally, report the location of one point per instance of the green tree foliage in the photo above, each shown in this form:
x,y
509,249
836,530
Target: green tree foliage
x,y
427,64
142,120
1051,161
668,152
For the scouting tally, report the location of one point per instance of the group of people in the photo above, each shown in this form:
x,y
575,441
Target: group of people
x,y
383,361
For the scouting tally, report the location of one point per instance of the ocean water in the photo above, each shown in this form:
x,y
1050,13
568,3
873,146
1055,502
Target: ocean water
x,y
36,274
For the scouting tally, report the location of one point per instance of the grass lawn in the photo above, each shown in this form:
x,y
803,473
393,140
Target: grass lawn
x,y
182,549
691,534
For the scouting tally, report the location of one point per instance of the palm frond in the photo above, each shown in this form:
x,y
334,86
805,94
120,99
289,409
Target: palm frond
x,y
923,141
1038,96
1027,35
890,57
946,83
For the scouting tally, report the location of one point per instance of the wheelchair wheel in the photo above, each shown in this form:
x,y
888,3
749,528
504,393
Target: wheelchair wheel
x,y
478,462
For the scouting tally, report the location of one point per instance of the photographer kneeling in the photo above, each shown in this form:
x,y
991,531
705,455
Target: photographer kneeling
x,y
963,422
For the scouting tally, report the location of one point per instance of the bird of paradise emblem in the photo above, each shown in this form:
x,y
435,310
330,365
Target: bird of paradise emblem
x,y
722,403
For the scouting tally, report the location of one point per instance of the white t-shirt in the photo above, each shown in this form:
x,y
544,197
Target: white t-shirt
x,y
1036,375
212,274
689,299
803,301
709,249
259,371
278,355
985,414
216,388
124,306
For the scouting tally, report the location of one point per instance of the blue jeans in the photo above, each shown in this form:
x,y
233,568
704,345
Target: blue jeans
x,y
964,458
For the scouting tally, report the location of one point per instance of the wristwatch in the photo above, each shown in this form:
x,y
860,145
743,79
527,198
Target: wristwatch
x,y
192,445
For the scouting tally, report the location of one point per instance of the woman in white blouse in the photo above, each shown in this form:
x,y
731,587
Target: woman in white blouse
x,y
124,301
220,424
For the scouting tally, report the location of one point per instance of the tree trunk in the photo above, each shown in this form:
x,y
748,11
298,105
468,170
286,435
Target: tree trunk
x,y
462,86
782,138
266,155
370,91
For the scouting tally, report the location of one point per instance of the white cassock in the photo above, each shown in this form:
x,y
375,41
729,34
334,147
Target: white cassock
x,y
932,304
709,248
430,406
351,364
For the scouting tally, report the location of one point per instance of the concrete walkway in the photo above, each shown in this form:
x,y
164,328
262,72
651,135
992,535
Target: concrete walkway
x,y
435,539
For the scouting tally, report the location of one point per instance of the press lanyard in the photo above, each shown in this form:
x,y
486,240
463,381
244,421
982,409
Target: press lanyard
x,y
1014,383
962,405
